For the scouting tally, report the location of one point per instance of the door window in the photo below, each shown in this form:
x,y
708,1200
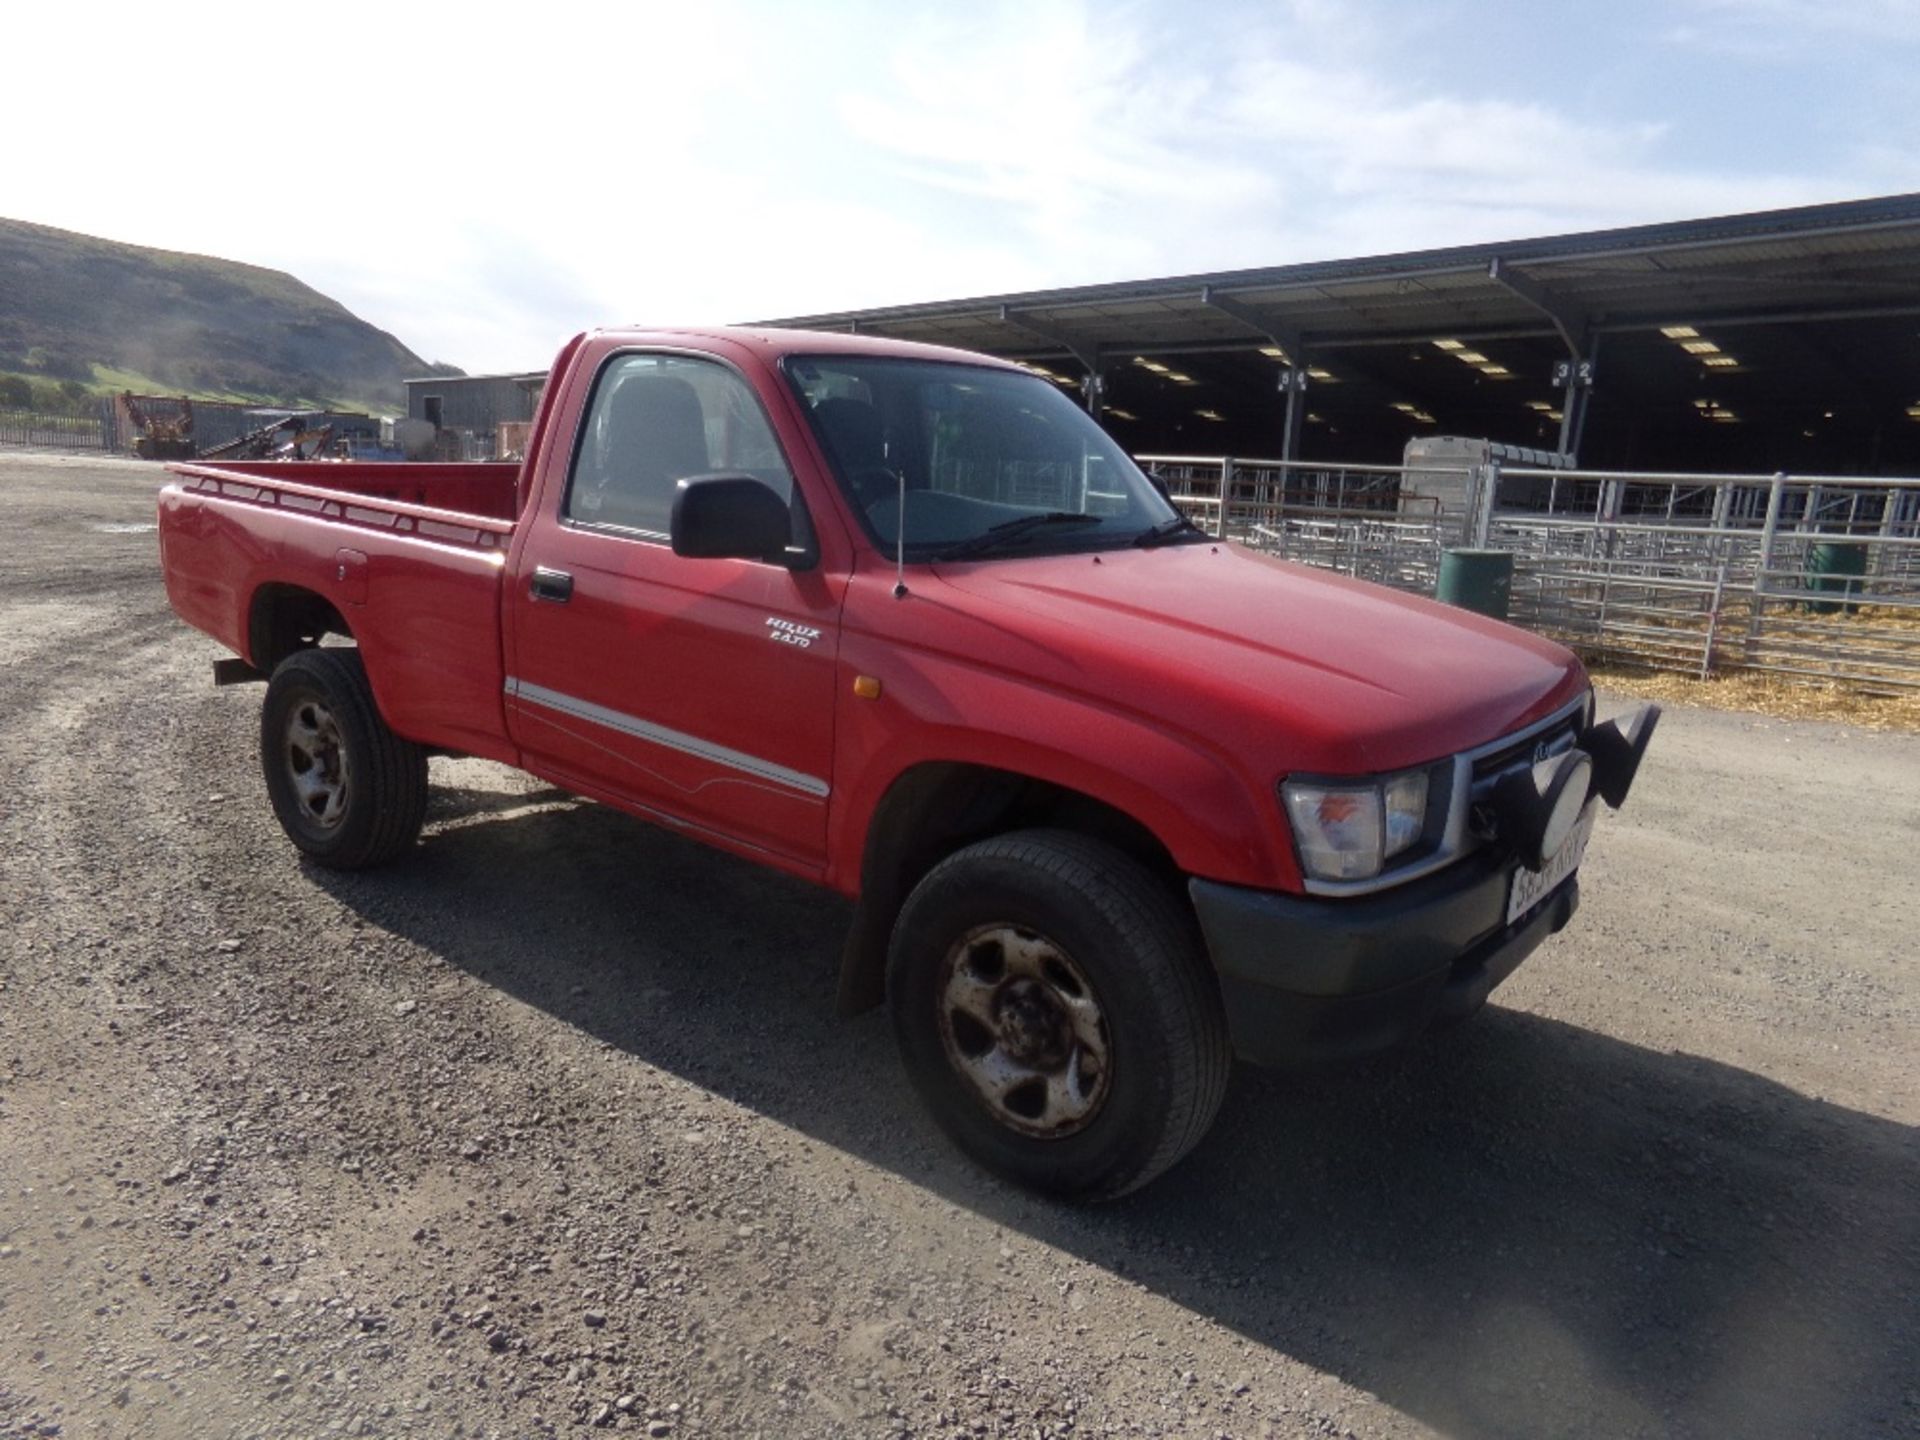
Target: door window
x,y
654,421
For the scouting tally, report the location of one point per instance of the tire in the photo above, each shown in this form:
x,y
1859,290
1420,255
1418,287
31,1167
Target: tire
x,y
1057,1014
349,792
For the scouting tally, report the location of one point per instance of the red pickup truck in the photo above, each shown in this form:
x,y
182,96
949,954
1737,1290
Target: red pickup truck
x,y
1116,799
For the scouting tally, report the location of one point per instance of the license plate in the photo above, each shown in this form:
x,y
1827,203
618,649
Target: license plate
x,y
1530,887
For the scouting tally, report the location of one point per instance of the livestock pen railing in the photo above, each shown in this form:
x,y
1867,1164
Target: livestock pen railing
x,y
1814,577
1808,577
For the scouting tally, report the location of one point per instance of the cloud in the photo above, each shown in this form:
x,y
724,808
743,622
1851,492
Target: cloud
x,y
1783,27
481,192
1118,147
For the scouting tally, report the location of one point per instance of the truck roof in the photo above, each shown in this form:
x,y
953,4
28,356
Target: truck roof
x,y
779,343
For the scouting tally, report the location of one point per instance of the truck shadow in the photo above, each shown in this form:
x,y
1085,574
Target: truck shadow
x,y
1522,1228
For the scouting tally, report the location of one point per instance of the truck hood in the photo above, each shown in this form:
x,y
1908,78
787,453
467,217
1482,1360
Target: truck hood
x,y
1240,649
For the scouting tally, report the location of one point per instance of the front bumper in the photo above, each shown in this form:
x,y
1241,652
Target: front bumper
x,y
1307,981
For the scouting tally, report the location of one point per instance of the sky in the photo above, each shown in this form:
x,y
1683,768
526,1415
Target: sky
x,y
484,180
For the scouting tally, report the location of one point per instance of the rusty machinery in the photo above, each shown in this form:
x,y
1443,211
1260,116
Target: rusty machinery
x,y
160,435
287,438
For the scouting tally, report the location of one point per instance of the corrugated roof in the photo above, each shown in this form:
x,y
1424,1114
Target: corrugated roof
x,y
1857,257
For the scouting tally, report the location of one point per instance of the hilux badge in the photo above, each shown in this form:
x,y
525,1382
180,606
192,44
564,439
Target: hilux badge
x,y
789,632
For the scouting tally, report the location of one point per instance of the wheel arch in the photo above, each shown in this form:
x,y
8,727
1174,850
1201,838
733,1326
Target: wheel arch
x,y
282,619
934,808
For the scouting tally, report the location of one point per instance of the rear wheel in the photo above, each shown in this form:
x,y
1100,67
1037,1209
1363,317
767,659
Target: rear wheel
x,y
1056,1013
348,791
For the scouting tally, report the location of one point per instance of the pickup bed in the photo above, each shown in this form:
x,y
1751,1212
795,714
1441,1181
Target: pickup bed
x,y
1116,799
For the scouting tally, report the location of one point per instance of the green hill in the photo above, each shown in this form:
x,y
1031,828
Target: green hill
x,y
113,316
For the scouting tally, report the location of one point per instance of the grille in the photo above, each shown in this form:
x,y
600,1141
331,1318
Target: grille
x,y
1526,750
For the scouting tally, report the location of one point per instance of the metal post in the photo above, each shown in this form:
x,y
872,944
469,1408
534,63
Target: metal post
x,y
1713,620
1583,372
1294,381
1487,499
1096,386
1566,377
1606,594
1226,492
1775,491
1611,495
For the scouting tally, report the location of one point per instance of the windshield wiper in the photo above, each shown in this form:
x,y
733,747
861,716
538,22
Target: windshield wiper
x,y
1169,530
1007,531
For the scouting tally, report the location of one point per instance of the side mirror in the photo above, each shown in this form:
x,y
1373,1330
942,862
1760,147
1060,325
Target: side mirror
x,y
729,517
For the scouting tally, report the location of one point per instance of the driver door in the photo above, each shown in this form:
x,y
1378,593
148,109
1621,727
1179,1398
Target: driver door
x,y
697,690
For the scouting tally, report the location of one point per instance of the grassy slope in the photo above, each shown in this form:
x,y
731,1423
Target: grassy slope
x,y
117,316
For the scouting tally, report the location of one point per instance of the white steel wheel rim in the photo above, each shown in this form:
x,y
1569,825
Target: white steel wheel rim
x,y
316,763
1024,1031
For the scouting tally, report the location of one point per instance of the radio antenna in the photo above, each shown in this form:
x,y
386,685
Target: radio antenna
x,y
900,543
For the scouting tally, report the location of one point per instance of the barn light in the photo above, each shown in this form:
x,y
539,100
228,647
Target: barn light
x,y
1209,414
1541,405
1699,347
1123,414
1497,372
1679,332
1448,345
1273,352
1722,362
1473,357
1325,377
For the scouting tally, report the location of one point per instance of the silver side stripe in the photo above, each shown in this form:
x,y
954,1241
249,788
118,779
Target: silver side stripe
x,y
660,735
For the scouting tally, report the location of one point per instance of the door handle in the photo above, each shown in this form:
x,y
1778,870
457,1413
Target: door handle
x,y
554,585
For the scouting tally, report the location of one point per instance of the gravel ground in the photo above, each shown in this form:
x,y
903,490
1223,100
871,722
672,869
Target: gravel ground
x,y
552,1126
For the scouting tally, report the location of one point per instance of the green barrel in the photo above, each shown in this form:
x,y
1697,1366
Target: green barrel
x,y
1835,566
1479,580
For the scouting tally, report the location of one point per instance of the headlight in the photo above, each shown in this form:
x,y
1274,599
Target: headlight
x,y
1406,797
1349,831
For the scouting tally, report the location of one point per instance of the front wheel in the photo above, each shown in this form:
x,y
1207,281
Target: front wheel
x,y
348,791
1056,1012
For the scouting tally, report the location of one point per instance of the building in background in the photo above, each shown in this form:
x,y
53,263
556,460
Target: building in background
x,y
1784,340
477,417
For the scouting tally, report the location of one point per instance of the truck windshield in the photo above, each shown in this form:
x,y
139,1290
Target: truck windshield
x,y
993,461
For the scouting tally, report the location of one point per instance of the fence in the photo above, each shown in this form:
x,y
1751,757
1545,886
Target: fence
x,y
53,432
1808,577
215,423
